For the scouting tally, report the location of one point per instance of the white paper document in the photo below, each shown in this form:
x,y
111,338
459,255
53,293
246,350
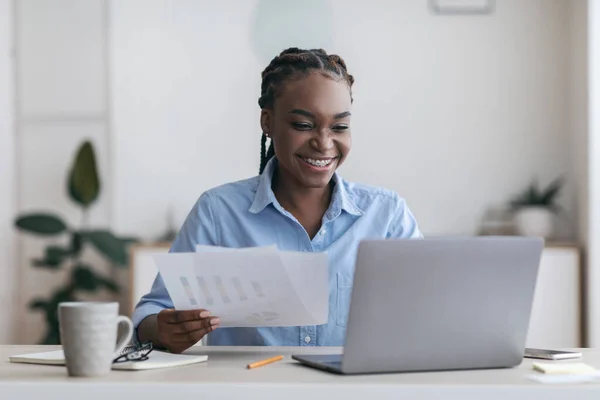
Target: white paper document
x,y
249,287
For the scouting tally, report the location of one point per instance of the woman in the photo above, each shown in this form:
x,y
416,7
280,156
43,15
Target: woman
x,y
297,202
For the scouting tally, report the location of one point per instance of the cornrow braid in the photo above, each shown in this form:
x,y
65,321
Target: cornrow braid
x,y
291,64
265,155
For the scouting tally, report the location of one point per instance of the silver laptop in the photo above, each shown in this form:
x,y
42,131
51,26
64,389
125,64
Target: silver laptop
x,y
437,304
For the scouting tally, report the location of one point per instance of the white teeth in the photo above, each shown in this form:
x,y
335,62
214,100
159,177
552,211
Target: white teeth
x,y
318,163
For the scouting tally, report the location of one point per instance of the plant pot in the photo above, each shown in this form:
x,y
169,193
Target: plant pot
x,y
535,221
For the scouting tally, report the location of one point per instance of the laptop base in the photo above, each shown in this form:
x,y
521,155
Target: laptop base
x,y
325,362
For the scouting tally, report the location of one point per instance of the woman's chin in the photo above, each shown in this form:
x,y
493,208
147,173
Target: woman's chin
x,y
316,181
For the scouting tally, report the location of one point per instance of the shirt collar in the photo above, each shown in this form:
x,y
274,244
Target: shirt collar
x,y
340,200
264,194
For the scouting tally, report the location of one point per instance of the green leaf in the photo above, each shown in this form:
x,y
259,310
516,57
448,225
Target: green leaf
x,y
56,253
42,224
551,192
76,243
533,194
53,257
38,304
52,335
108,284
43,263
109,245
84,184
62,295
84,278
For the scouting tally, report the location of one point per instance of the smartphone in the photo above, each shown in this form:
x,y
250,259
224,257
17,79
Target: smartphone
x,y
545,354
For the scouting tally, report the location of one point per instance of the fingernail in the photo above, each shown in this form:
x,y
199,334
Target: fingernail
x,y
205,314
215,321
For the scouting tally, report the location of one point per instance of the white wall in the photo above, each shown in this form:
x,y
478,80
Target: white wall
x,y
7,171
593,281
62,101
578,124
578,111
455,113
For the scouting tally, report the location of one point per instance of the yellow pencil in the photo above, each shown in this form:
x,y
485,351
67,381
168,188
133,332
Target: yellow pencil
x,y
265,362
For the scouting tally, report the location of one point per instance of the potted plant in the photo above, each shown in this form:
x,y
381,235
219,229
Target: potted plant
x,y
534,209
83,188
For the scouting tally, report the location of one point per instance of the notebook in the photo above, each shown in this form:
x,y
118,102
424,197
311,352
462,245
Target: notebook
x,y
156,359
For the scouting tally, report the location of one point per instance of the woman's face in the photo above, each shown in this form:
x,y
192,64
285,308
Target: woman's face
x,y
310,128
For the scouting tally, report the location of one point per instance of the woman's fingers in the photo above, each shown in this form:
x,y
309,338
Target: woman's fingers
x,y
180,329
178,316
193,337
190,326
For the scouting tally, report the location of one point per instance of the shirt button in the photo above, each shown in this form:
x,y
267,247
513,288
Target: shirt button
x,y
307,339
323,231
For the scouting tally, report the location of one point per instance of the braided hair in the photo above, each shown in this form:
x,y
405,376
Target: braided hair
x,y
290,64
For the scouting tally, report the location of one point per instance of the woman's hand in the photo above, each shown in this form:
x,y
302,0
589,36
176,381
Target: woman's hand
x,y
180,330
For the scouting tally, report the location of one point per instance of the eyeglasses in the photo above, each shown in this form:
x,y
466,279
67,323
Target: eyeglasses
x,y
135,353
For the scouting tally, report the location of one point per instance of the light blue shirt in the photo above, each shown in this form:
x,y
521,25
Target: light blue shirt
x,y
247,214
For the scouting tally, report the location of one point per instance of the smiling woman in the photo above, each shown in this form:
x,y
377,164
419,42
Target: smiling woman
x,y
298,202
326,85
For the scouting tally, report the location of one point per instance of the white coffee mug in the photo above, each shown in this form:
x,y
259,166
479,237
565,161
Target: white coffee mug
x,y
88,334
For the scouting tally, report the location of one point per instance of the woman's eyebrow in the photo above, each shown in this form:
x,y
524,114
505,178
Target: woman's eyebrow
x,y
342,115
308,114
302,112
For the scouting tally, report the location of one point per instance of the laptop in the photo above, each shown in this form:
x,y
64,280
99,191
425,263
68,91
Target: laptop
x,y
437,304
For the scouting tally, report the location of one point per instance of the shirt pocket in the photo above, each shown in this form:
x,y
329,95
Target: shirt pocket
x,y
344,292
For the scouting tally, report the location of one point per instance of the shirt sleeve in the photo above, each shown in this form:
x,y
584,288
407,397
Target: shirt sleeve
x,y
404,224
198,228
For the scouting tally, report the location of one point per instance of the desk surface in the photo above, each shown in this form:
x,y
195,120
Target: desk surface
x,y
225,376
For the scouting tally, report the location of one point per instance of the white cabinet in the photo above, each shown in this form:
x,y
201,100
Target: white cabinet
x,y
556,312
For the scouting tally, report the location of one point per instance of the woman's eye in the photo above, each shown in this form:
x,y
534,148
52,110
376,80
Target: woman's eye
x,y
340,128
303,126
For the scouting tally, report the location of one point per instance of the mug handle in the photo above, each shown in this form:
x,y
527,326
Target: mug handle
x,y
121,319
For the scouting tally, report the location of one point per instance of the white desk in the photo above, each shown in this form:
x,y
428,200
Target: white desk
x,y
224,377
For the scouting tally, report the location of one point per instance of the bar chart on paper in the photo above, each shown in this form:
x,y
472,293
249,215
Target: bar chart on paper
x,y
222,295
247,288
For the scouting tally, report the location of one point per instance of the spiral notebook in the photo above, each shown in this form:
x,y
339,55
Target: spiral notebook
x,y
156,359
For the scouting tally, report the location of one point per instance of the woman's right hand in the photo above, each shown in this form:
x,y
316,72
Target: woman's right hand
x,y
178,330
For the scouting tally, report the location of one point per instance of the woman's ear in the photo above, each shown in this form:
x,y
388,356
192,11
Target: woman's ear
x,y
265,121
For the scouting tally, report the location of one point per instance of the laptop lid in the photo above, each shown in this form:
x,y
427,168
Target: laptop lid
x,y
438,304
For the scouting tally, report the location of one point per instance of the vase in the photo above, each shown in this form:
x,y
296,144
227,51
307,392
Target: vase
x,y
535,221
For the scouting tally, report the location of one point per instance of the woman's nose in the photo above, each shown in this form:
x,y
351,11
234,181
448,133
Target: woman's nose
x,y
322,141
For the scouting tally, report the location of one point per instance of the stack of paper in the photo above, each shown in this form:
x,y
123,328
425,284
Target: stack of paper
x,y
249,287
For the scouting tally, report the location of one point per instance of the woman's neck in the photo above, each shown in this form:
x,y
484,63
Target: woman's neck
x,y
308,205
